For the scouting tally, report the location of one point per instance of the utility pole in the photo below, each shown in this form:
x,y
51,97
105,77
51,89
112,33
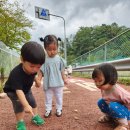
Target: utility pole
x,y
65,48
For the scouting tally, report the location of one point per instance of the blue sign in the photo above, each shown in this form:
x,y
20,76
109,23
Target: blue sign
x,y
43,12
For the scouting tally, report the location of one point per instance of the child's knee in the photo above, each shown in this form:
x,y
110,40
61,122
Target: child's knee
x,y
100,102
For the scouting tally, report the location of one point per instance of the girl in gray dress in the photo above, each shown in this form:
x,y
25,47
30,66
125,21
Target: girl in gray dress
x,y
54,77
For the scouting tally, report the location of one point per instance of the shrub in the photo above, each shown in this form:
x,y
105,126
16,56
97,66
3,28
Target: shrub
x,y
125,80
1,89
122,80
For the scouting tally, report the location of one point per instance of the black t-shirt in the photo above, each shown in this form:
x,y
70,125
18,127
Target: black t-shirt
x,y
19,80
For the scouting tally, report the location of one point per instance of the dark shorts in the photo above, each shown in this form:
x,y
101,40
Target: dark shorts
x,y
17,106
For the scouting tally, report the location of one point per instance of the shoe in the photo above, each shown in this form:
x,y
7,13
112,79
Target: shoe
x,y
58,113
20,125
104,119
38,120
47,114
122,127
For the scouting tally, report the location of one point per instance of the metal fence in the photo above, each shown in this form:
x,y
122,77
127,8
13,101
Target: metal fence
x,y
8,59
114,49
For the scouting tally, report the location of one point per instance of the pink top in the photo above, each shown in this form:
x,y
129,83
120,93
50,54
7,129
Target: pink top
x,y
117,94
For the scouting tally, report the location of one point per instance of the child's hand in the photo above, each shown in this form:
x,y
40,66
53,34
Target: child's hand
x,y
66,82
38,85
29,109
37,82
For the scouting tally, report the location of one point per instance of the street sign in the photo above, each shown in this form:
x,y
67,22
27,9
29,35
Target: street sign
x,y
42,13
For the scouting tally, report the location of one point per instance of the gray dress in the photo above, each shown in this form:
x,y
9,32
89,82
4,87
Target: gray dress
x,y
52,69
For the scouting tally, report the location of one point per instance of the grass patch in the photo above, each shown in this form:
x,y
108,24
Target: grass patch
x,y
82,75
1,88
122,79
2,81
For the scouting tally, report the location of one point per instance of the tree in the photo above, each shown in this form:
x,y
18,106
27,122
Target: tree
x,y
13,24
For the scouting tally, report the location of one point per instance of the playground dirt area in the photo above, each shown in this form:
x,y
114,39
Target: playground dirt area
x,y
80,110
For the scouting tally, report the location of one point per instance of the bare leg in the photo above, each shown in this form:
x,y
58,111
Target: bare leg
x,y
19,116
35,111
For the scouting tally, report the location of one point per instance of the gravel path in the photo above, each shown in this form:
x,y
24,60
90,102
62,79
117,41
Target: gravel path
x,y
80,111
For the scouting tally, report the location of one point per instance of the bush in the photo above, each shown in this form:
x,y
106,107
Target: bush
x,y
2,71
125,80
122,80
1,89
82,75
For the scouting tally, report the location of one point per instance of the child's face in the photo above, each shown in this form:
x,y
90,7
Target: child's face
x,y
99,82
30,68
52,50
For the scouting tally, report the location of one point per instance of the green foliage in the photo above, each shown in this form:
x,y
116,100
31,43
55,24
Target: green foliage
x,y
2,70
81,74
125,80
13,24
121,80
1,89
1,85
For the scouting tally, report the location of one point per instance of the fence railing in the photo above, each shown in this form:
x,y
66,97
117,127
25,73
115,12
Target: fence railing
x,y
115,49
8,59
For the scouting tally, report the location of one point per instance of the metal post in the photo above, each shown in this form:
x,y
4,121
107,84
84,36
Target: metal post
x,y
65,49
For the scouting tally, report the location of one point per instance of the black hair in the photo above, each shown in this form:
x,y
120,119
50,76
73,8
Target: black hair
x,y
109,72
48,39
33,53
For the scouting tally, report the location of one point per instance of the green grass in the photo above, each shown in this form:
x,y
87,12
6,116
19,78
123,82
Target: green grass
x,y
1,85
122,79
1,89
81,74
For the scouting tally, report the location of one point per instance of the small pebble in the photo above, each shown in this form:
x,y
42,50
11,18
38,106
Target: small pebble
x,y
75,110
76,118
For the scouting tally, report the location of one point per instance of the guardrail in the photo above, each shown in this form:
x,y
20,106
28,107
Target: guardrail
x,y
121,65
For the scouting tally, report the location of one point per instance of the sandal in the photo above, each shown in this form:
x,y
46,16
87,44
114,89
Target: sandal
x,y
122,127
104,119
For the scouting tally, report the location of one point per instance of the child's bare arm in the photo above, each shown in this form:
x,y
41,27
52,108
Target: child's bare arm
x,y
38,79
64,77
24,102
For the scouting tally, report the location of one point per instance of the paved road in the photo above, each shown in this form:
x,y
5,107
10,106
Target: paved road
x,y
85,84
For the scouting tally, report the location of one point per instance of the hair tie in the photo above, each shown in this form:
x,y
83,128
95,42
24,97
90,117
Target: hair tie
x,y
41,39
59,39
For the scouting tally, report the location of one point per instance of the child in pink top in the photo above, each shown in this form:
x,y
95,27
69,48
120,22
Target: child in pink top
x,y
115,101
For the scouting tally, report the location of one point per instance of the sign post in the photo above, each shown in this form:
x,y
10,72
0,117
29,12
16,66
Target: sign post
x,y
42,13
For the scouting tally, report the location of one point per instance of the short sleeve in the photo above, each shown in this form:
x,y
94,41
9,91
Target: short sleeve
x,y
16,81
42,68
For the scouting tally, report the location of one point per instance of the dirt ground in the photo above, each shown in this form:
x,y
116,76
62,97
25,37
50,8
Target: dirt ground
x,y
80,111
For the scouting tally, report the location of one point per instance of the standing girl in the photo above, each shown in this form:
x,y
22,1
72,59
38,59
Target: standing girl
x,y
54,77
115,101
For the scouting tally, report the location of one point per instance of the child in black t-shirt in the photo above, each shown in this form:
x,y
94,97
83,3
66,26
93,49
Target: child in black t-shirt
x,y
21,78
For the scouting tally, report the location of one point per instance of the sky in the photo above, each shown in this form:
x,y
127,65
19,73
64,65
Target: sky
x,y
77,13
